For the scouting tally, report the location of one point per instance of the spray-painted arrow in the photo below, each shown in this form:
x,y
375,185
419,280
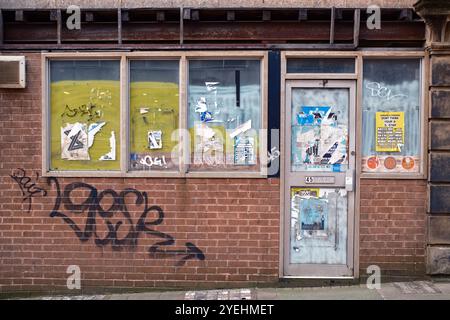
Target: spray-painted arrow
x,y
191,252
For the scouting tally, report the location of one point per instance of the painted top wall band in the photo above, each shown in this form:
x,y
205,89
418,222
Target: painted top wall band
x,y
97,4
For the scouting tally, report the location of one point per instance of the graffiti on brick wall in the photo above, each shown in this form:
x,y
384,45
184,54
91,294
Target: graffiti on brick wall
x,y
28,186
150,217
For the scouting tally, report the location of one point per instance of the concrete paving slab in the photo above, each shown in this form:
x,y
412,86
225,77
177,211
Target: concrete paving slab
x,y
416,287
137,296
415,290
328,293
226,294
443,287
172,295
266,294
411,290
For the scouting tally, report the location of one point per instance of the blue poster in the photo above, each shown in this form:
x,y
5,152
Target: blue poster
x,y
313,214
312,115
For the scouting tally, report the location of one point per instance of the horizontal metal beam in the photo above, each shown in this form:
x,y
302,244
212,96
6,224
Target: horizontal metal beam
x,y
149,46
200,32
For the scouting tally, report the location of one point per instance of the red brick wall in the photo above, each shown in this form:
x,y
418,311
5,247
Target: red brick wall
x,y
393,226
233,222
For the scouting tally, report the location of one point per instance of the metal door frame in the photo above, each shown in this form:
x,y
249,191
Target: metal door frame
x,y
314,270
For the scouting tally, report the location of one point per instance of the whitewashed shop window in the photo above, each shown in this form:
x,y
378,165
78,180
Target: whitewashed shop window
x,y
154,114
84,114
224,115
391,115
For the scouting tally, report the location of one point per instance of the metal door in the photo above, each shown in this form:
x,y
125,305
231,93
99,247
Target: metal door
x,y
319,178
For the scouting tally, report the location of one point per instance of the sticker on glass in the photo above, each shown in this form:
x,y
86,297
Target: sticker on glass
x,y
390,131
155,139
74,142
244,151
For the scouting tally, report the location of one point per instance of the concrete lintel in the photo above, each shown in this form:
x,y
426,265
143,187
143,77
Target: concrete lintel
x,y
129,4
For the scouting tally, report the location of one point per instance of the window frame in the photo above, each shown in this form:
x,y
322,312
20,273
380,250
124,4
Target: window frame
x,y
324,58
390,55
358,77
124,137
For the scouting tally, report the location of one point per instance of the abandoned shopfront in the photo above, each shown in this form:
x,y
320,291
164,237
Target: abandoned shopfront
x,y
200,146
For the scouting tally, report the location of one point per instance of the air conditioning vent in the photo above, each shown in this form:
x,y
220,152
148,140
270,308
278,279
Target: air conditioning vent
x,y
12,72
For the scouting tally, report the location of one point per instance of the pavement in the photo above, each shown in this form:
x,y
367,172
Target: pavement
x,y
413,290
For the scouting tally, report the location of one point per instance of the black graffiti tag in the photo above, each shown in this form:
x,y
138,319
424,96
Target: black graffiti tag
x,y
27,185
82,110
94,210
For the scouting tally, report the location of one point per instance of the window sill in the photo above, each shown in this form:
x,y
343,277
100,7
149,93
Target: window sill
x,y
393,176
137,174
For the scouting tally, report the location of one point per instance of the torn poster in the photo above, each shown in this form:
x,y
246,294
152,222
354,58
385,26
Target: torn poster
x,y
206,116
244,151
390,131
313,216
213,152
93,129
204,131
310,116
319,143
74,142
211,86
333,143
318,225
111,155
311,210
155,139
208,146
201,105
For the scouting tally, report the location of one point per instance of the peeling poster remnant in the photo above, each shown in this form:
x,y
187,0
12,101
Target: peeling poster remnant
x,y
318,220
244,151
93,129
320,142
74,142
111,155
209,145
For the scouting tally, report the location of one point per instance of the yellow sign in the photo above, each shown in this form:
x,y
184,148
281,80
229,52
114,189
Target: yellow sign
x,y
305,192
390,131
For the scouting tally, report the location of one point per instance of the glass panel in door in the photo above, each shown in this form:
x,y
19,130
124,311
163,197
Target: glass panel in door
x,y
318,225
319,126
